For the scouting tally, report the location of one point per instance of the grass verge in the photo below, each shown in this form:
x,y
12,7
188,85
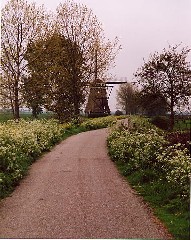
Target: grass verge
x,y
173,212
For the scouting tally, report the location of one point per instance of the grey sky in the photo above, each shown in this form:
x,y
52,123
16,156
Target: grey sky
x,y
142,26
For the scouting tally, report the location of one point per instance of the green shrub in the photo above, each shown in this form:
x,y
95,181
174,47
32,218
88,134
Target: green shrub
x,y
161,122
118,113
179,137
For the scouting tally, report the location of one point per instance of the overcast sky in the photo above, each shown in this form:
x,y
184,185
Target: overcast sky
x,y
142,26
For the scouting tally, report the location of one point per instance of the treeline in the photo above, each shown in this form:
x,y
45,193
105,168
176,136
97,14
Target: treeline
x,y
48,59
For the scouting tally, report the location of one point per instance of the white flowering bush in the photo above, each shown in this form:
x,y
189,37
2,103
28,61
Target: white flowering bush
x,y
136,149
21,143
143,147
176,163
97,123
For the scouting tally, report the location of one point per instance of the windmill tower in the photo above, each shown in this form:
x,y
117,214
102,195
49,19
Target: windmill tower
x,y
97,105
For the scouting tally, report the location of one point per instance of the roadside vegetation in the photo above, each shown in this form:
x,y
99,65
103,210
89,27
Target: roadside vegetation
x,y
21,143
157,167
155,162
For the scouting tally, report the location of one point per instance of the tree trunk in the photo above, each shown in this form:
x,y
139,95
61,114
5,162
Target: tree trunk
x,y
16,101
17,78
12,107
34,112
171,103
126,108
75,96
76,107
172,115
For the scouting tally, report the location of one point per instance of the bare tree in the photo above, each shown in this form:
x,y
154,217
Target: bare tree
x,y
167,74
78,24
127,98
20,23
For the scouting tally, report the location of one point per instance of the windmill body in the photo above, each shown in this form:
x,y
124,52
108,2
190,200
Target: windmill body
x,y
97,105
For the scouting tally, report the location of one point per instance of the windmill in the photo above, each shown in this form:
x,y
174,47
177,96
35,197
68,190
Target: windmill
x,y
97,105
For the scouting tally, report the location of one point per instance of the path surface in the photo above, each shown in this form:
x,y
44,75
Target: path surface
x,y
75,191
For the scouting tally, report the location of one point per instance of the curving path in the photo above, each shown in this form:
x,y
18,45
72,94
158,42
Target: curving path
x,y
75,191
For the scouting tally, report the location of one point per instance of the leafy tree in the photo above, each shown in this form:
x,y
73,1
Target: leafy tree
x,y
33,93
169,75
20,23
127,98
55,79
153,104
6,90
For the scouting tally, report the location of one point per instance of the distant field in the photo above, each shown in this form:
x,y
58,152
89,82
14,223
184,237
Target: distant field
x,y
8,116
182,125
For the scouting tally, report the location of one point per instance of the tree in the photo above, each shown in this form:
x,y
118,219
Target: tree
x,y
127,98
167,74
20,23
85,57
55,79
118,113
153,104
33,93
78,24
6,90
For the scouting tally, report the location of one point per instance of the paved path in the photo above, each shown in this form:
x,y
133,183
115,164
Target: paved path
x,y
75,191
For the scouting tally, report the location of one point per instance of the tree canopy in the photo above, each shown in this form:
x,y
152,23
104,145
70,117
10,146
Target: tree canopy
x,y
167,74
153,104
20,23
56,77
79,24
27,28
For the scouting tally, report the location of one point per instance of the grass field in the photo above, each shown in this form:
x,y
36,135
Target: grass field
x,y
182,125
9,116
